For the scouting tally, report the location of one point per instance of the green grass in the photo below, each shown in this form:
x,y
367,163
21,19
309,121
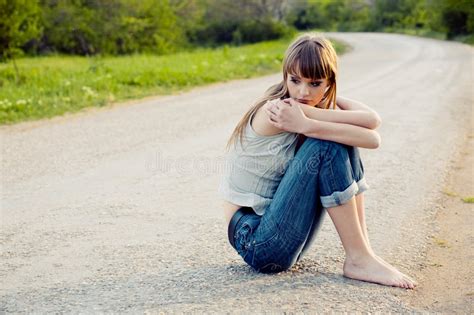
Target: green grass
x,y
440,242
51,86
469,199
467,39
450,193
416,32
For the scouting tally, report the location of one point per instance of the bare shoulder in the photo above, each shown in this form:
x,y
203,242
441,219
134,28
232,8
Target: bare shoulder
x,y
262,126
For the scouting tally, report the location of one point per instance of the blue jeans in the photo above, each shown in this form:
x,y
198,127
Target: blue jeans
x,y
322,174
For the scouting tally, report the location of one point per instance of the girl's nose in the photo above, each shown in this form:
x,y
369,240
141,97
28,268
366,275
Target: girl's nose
x,y
304,90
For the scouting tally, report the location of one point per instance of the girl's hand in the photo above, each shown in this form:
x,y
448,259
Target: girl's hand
x,y
287,115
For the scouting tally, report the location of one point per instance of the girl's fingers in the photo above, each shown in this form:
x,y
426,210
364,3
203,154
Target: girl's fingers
x,y
272,106
269,112
291,101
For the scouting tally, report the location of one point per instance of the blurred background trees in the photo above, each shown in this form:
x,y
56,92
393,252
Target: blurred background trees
x,y
114,27
18,25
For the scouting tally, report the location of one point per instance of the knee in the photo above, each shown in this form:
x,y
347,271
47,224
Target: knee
x,y
332,146
314,143
337,154
324,146
319,152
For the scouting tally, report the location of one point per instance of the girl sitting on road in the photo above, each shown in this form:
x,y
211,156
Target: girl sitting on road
x,y
294,155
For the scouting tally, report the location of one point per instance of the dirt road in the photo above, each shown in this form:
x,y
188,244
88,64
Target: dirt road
x,y
117,210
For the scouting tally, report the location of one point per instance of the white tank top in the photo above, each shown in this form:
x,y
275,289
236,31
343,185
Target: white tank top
x,y
253,171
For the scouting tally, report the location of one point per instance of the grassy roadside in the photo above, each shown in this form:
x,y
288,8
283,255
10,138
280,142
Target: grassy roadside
x,y
466,39
51,86
448,258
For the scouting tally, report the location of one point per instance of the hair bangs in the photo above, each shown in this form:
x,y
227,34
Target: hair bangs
x,y
307,62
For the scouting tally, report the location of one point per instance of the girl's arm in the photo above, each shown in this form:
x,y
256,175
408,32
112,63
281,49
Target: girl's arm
x,y
353,113
291,117
341,133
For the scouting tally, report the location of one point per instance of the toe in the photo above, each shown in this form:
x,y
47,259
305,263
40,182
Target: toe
x,y
405,284
409,280
411,283
399,283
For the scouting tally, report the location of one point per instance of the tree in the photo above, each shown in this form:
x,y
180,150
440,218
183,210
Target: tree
x,y
148,26
458,17
71,26
18,24
340,15
88,27
239,21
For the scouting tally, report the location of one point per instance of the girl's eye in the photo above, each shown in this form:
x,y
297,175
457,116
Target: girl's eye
x,y
294,81
315,84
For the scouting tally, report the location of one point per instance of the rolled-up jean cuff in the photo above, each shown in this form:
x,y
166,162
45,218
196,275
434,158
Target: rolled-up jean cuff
x,y
338,198
362,185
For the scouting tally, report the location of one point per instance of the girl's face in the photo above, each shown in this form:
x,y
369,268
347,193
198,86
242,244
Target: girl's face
x,y
306,91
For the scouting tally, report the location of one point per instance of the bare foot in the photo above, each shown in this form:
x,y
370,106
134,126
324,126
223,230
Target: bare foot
x,y
369,268
396,270
366,237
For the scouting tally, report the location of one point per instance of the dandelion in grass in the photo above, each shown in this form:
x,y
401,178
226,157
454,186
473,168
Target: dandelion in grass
x,y
88,91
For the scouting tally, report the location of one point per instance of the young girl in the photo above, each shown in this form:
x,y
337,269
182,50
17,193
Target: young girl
x,y
293,155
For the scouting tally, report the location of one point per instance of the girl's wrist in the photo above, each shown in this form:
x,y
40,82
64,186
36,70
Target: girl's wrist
x,y
307,126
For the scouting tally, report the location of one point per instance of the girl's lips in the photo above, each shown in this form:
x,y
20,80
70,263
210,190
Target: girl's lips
x,y
303,101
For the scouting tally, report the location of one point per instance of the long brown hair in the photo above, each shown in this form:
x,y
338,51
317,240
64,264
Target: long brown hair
x,y
309,56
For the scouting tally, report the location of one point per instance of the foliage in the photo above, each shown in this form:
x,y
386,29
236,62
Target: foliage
x,y
457,16
88,27
239,21
18,25
118,27
453,17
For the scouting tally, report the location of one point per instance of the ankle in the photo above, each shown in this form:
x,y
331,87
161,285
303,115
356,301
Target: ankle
x,y
359,257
